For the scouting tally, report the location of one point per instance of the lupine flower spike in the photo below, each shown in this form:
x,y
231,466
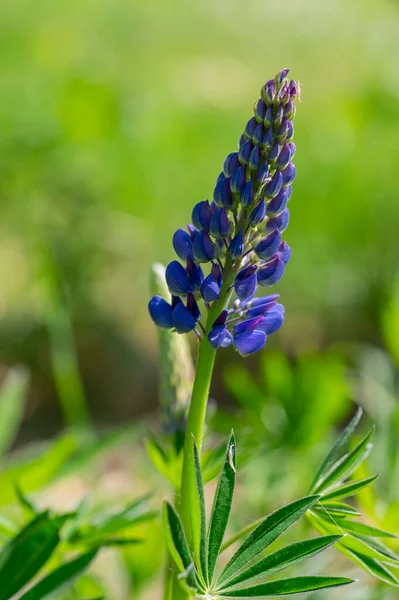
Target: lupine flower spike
x,y
239,234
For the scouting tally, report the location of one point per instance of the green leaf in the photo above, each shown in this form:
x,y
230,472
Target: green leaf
x,y
337,449
25,554
337,509
59,578
198,517
363,529
177,542
284,558
348,489
383,551
221,506
268,530
24,500
345,466
372,566
12,403
288,587
240,534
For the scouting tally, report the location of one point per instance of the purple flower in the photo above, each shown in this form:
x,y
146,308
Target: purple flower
x,y
231,164
222,195
245,152
238,180
236,247
268,92
260,110
249,343
280,222
278,203
194,273
177,279
284,157
272,321
258,134
284,252
203,247
183,320
268,245
254,159
288,174
220,337
270,273
202,215
258,214
221,225
160,312
250,128
210,289
183,244
247,194
274,186
245,282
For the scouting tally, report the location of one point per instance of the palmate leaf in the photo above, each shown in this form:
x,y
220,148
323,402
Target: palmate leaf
x,y
344,467
177,543
348,489
221,506
288,587
283,558
24,555
59,578
268,530
337,449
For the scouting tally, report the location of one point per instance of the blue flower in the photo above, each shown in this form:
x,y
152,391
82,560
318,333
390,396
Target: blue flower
x,y
249,343
245,282
288,174
160,312
274,186
258,213
220,337
247,194
231,164
268,245
280,222
183,244
238,180
221,225
203,248
271,273
278,203
236,247
222,194
177,279
210,289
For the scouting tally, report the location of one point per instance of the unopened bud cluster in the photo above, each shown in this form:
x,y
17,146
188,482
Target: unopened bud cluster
x,y
239,234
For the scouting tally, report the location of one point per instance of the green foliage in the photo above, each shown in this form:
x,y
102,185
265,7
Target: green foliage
x,y
12,405
328,516
196,564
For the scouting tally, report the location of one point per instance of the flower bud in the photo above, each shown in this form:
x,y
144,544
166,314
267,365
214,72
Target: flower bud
x,y
288,174
271,272
250,128
210,289
278,203
182,244
245,152
194,273
267,92
221,224
231,164
254,159
293,149
245,282
280,222
274,186
177,279
283,130
258,134
268,120
258,213
289,110
267,141
292,89
278,118
236,247
220,337
238,180
260,110
247,194
160,312
290,132
274,153
183,320
202,215
279,78
192,306
269,245
222,195
203,248
263,173
284,252
284,157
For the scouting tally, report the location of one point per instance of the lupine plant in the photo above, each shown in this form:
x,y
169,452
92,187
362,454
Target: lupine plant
x,y
237,238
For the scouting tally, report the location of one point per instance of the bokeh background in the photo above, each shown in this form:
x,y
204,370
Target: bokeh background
x,y
115,118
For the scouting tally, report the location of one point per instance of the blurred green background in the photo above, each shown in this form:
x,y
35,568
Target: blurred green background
x,y
115,118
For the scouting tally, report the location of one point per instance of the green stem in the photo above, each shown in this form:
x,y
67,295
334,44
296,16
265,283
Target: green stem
x,y
198,406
